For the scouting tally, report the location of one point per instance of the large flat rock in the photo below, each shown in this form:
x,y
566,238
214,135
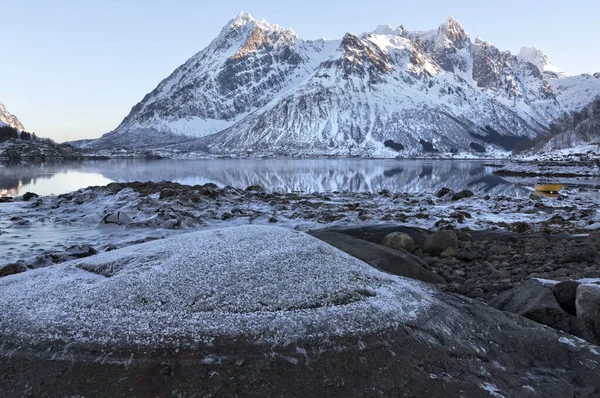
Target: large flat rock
x,y
265,311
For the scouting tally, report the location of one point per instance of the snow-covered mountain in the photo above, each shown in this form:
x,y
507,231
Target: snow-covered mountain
x,y
8,119
249,64
259,88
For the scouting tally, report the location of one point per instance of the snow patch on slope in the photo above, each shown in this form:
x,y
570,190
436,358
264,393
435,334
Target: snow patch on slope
x,y
576,92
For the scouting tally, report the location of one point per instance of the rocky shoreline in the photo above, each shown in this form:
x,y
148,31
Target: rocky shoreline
x,y
471,249
525,273
139,208
493,243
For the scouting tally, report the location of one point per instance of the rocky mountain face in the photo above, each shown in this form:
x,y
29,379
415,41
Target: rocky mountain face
x,y
258,88
579,129
8,119
576,92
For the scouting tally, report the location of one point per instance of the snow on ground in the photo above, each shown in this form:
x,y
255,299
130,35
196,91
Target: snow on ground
x,y
35,232
551,168
268,283
587,151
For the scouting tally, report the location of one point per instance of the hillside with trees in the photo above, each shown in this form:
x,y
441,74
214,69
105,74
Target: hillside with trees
x,y
570,131
18,145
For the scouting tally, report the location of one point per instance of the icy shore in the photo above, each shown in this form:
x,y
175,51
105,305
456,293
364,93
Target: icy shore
x,y
41,231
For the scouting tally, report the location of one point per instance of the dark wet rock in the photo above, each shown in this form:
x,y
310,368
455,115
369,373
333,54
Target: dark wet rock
x,y
27,196
255,188
537,302
468,255
581,254
566,294
399,240
167,193
443,192
462,195
19,222
395,261
80,251
499,250
6,199
593,239
118,218
521,227
588,308
464,236
11,269
440,241
226,216
448,253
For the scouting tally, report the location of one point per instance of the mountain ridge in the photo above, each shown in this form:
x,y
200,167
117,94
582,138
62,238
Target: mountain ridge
x,y
260,88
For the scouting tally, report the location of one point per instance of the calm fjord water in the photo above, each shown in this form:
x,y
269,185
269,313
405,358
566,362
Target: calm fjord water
x,y
280,175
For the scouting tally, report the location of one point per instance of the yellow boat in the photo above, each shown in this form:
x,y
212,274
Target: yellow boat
x,y
548,187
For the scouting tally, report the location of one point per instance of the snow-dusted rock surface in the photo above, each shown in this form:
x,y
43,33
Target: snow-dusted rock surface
x,y
259,89
266,311
268,283
8,119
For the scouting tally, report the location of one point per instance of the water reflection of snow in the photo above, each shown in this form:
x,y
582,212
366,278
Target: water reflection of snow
x,y
281,175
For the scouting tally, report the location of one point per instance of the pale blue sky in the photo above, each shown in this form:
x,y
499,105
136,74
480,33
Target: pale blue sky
x,y
74,68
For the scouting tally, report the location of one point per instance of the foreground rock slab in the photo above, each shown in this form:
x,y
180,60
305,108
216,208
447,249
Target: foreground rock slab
x,y
539,303
265,311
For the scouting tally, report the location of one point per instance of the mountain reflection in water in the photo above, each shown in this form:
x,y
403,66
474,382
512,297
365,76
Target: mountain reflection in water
x,y
280,175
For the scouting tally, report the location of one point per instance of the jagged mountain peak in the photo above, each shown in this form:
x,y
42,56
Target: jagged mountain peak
x,y
481,42
452,29
384,30
540,60
243,17
245,21
7,118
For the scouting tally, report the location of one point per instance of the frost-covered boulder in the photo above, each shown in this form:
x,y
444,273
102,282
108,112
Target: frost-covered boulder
x,y
265,311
